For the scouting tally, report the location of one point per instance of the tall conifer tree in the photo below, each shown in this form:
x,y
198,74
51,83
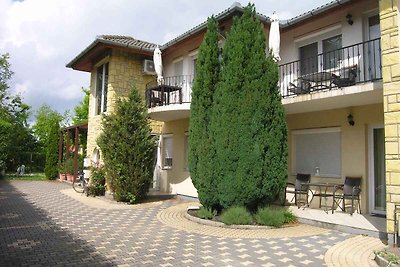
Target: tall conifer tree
x,y
201,149
248,120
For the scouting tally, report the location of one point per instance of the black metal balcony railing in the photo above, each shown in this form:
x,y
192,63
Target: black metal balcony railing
x,y
335,69
344,67
173,90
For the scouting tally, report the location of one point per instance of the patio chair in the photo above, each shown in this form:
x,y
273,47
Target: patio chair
x,y
299,188
155,99
302,87
350,191
347,77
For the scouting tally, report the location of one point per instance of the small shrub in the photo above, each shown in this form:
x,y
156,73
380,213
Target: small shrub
x,y
205,213
270,217
236,215
97,186
289,216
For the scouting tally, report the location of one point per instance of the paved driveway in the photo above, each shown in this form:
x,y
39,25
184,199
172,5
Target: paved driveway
x,y
42,225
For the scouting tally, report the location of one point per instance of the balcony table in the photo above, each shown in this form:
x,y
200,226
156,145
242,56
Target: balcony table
x,y
166,91
319,77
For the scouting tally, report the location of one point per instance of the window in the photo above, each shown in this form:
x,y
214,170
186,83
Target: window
x,y
101,89
194,62
309,59
178,67
167,151
332,53
317,152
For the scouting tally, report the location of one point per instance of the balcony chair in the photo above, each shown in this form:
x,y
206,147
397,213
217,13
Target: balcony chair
x,y
302,87
350,191
347,77
299,188
155,99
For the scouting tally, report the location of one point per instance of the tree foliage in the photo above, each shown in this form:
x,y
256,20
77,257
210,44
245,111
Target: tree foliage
x,y
201,151
51,167
248,127
45,118
127,148
81,111
16,140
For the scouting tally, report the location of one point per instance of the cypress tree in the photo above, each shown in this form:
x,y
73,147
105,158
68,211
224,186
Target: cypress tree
x,y
248,120
51,166
127,148
201,150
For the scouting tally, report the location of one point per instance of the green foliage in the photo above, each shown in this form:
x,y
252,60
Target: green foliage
x,y
289,216
206,213
127,148
98,181
248,121
391,257
82,109
45,118
15,136
51,167
236,215
275,217
201,150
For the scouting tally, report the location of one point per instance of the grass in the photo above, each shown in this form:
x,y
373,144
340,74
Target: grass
x,y
26,177
236,215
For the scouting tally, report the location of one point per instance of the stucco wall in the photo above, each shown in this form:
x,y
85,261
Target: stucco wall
x,y
125,69
354,139
177,179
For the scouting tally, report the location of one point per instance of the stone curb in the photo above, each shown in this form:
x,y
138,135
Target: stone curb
x,y
222,225
382,262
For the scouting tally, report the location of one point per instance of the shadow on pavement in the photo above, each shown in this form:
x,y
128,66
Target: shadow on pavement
x,y
28,237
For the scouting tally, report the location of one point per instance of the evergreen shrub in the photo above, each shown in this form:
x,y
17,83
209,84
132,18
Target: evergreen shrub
x,y
51,166
236,215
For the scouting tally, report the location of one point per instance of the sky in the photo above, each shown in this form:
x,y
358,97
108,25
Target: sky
x,y
42,36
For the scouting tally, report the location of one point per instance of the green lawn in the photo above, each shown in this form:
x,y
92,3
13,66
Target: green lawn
x,y
27,177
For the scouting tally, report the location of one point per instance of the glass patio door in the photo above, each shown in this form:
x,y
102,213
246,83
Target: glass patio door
x,y
374,53
378,181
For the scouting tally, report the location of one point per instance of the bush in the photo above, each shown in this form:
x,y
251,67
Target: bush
x,y
51,166
127,147
275,217
98,181
236,215
205,213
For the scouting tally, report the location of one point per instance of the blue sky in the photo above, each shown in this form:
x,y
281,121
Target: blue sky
x,y
43,35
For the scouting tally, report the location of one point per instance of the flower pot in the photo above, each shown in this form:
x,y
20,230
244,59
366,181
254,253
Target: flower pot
x,y
62,177
70,177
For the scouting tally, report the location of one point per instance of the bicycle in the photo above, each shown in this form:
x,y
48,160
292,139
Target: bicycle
x,y
80,184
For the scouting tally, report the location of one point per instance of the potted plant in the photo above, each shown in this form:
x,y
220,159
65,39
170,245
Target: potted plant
x,y
69,169
61,172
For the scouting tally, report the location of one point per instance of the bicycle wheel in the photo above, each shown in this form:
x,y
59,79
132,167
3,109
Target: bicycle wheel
x,y
78,185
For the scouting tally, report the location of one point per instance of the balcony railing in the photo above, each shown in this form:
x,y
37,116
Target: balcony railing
x,y
173,90
340,68
331,70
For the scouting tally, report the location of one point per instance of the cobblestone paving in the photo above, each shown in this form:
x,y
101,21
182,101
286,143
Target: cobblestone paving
x,y
39,226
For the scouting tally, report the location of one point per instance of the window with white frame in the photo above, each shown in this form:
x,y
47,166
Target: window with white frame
x,y
101,89
167,142
178,67
309,58
317,152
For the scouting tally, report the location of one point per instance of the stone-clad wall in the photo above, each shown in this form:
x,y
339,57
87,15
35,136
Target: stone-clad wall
x,y
125,69
391,89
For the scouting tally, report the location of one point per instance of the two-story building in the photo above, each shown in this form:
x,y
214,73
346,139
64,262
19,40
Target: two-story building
x,y
338,81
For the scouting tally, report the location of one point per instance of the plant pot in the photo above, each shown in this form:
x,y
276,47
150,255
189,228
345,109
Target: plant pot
x,y
62,177
70,177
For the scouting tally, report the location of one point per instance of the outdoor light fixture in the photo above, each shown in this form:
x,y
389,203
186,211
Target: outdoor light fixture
x,y
349,18
350,120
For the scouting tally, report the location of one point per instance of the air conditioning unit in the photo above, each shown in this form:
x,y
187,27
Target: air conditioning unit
x,y
148,67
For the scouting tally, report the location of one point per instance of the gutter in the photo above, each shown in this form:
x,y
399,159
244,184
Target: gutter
x,y
312,13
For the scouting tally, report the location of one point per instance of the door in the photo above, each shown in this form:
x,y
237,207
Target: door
x,y
373,49
309,59
377,180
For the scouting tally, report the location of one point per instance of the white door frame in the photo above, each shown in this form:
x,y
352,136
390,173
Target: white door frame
x,y
371,168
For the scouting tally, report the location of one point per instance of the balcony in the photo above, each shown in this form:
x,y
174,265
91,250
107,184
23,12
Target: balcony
x,y
171,99
348,76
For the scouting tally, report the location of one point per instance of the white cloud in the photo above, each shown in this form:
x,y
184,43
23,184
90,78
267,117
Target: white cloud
x,y
43,35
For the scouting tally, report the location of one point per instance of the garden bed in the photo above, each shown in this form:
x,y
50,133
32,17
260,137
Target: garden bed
x,y
192,215
388,257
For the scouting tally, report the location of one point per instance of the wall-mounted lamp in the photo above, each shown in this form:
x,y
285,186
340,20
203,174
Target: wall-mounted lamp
x,y
349,18
350,120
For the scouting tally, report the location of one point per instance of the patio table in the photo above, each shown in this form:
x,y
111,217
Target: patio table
x,y
323,192
319,77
